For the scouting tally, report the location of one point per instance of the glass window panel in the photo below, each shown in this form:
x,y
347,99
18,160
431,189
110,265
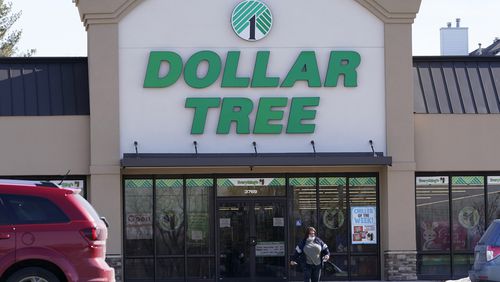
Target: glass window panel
x,y
364,267
201,268
270,267
493,211
270,234
33,210
467,211
199,221
139,217
337,271
434,265
333,213
169,268
4,218
363,198
234,232
433,225
304,208
250,187
139,269
169,217
462,264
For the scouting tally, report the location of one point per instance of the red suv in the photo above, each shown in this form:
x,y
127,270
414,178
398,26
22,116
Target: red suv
x,y
50,234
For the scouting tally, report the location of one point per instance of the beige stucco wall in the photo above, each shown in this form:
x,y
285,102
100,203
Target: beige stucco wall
x,y
457,142
44,145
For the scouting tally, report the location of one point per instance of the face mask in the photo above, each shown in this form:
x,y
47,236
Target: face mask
x,y
312,237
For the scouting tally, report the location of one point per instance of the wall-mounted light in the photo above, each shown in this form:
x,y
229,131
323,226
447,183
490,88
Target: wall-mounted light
x,y
373,150
313,146
254,147
135,146
195,147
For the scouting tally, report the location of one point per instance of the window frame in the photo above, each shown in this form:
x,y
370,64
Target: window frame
x,y
451,253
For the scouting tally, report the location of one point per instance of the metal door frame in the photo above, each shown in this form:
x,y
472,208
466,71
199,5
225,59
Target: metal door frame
x,y
250,201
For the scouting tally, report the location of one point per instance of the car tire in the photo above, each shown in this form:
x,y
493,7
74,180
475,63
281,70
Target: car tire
x,y
30,274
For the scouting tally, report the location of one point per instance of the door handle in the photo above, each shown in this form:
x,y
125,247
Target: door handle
x,y
252,241
4,236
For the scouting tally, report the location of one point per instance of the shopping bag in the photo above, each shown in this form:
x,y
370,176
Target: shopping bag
x,y
330,267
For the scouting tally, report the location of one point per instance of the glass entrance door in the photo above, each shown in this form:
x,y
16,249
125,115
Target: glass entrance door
x,y
252,240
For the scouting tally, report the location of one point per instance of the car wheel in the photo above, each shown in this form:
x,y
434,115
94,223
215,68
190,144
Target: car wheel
x,y
33,274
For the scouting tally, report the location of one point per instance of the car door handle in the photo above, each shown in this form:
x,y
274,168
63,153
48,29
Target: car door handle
x,y
4,236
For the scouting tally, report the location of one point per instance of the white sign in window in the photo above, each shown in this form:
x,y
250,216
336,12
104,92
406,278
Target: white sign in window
x,y
224,222
270,249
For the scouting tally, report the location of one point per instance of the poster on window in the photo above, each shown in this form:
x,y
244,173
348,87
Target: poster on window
x,y
139,226
364,225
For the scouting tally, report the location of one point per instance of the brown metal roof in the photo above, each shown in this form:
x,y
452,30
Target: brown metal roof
x,y
44,86
456,85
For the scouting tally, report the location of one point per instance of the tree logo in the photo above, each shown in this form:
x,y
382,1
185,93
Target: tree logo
x,y
251,20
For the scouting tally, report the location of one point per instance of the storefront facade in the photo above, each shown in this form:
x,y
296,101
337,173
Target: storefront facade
x,y
244,229
215,133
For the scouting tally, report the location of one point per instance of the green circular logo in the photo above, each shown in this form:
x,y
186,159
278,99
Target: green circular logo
x,y
251,20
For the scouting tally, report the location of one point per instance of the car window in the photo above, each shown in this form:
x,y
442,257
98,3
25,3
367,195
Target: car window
x,y
3,214
33,210
492,235
88,207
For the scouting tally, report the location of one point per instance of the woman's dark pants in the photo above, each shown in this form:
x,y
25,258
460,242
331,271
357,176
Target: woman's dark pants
x,y
312,273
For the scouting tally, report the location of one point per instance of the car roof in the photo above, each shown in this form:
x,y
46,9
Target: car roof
x,y
27,183
36,183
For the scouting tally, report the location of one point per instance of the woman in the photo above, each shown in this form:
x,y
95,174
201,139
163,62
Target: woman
x,y
311,252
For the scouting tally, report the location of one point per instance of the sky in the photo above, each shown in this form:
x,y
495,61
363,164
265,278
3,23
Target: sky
x,y
58,31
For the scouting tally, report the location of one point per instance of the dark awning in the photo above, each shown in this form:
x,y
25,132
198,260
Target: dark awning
x,y
275,159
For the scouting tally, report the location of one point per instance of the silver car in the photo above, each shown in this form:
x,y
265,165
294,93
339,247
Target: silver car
x,y
487,255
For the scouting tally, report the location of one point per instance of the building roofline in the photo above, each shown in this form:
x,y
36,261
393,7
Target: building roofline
x,y
32,60
419,59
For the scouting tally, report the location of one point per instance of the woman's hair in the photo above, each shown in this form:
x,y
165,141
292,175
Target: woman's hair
x,y
308,230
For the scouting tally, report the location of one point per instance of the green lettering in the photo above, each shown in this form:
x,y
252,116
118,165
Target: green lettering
x,y
235,110
305,68
201,106
265,113
229,78
153,79
191,69
260,78
343,63
298,113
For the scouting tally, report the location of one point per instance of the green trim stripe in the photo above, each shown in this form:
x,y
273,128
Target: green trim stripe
x,y
303,181
138,183
202,182
467,180
169,183
224,182
363,181
332,181
278,182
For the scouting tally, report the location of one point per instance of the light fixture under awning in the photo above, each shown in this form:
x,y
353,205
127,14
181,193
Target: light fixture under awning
x,y
264,159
